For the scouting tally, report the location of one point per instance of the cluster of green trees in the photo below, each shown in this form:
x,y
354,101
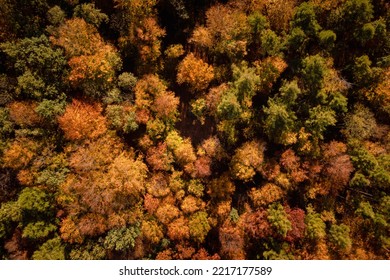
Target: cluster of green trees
x,y
198,129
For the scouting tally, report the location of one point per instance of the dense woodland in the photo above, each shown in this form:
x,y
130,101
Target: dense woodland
x,y
194,129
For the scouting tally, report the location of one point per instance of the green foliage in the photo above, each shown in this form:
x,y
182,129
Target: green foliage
x,y
121,119
90,14
360,124
38,230
198,108
270,43
90,250
196,188
9,213
297,40
276,105
315,227
319,119
359,181
56,16
281,252
39,66
50,109
289,92
327,39
277,217
362,72
279,121
127,81
6,125
313,72
229,108
34,200
357,12
305,18
121,239
52,249
245,83
257,23
339,236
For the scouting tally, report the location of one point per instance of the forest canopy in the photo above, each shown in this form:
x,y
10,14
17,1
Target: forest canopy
x,y
194,129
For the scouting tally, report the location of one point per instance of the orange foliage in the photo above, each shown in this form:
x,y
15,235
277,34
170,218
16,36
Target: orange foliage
x,y
202,167
82,120
192,204
279,13
214,97
92,224
70,232
19,153
23,113
78,38
247,160
158,185
339,166
256,224
151,231
148,39
178,229
94,154
165,105
297,219
166,213
101,65
159,158
195,72
221,187
151,203
265,195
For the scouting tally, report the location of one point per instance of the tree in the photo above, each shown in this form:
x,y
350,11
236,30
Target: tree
x,y
39,67
232,242
265,195
319,119
278,219
305,18
315,227
93,63
121,239
339,236
194,72
313,72
247,160
226,32
279,122
199,226
82,121
90,14
52,249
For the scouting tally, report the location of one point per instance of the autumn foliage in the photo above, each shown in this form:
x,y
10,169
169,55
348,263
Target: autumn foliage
x,y
194,130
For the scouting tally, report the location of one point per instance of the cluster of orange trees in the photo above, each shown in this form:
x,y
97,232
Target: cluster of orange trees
x,y
198,129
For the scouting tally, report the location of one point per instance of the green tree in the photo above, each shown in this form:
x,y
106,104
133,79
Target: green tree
x,y
339,236
278,218
40,67
52,249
